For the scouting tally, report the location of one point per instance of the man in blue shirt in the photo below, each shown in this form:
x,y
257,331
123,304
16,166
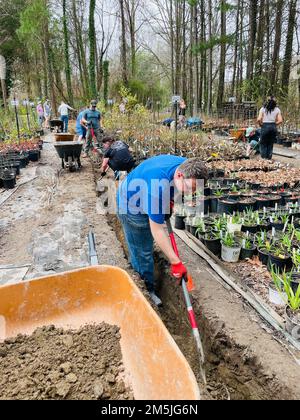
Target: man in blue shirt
x,y
144,203
80,128
92,120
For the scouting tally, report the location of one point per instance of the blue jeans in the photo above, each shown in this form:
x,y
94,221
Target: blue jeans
x,y
65,120
140,245
268,138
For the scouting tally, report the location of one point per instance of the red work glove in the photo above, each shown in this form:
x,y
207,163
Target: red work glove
x,y
179,271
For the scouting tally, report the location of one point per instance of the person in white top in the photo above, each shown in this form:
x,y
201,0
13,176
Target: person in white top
x,y
270,117
63,110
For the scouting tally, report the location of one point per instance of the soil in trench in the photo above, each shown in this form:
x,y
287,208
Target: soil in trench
x,y
55,364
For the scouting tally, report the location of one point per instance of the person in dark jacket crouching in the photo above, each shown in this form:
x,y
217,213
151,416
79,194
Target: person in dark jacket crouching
x,y
117,156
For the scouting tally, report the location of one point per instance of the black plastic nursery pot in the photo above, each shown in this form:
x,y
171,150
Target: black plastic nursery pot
x,y
220,173
292,200
263,256
23,162
230,181
180,222
251,229
281,264
262,203
214,204
255,186
278,226
274,200
193,230
295,283
213,245
16,167
284,197
34,155
247,253
227,206
264,227
9,183
246,205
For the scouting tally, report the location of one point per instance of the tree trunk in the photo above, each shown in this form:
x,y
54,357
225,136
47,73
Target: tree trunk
x,y
260,39
123,44
252,37
92,41
210,59
221,88
106,80
184,64
236,47
67,57
277,44
289,48
81,53
191,62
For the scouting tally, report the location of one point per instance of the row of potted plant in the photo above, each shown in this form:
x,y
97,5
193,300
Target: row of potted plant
x,y
14,157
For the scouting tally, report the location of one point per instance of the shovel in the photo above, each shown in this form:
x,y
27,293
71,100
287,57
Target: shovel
x,y
190,309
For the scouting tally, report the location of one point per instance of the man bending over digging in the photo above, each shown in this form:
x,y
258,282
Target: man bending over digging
x,y
144,204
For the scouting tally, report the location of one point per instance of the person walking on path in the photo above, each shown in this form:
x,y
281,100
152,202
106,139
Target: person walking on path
x,y
80,128
182,113
92,121
63,111
47,113
116,156
143,205
40,113
269,119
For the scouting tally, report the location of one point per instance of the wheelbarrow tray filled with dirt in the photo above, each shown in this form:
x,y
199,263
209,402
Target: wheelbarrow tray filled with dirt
x,y
64,137
155,367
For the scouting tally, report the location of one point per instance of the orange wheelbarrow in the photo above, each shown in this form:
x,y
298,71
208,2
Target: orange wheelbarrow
x,y
155,366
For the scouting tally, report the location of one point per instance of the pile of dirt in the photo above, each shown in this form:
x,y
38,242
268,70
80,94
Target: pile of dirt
x,y
55,364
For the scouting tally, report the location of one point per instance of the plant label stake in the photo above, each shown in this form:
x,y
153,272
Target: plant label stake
x,y
190,309
26,102
17,118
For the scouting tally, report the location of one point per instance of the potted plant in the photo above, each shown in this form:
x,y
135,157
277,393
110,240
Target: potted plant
x,y
250,223
280,259
234,224
231,249
264,248
234,192
197,225
227,206
179,218
292,300
212,241
248,250
214,200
